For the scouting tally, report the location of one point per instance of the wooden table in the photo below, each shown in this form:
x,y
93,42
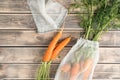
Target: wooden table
x,y
21,48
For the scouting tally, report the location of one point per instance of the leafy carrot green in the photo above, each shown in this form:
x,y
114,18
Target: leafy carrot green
x,y
97,21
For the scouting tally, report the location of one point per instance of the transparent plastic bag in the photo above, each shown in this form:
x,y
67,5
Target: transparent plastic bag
x,y
48,15
80,62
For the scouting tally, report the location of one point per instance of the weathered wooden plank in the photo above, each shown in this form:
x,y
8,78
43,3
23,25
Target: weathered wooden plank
x,y
17,21
102,71
25,21
12,1
31,38
50,79
21,6
34,55
109,55
110,38
14,6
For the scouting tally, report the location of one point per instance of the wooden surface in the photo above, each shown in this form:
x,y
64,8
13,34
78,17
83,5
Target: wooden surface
x,y
21,48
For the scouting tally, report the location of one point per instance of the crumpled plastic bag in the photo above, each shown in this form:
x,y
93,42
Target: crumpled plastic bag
x,y
80,62
48,15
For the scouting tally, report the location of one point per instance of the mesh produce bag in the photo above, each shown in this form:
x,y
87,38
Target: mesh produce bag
x,y
80,62
48,15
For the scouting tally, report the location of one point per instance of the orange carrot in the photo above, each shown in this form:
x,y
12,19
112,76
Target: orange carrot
x,y
87,72
60,47
52,45
74,71
66,68
81,66
87,63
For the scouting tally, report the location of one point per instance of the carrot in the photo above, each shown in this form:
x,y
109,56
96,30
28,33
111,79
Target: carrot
x,y
87,72
60,47
74,71
81,66
87,63
51,46
66,68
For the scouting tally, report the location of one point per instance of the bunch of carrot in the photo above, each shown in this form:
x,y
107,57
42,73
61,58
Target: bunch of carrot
x,y
80,64
77,68
50,55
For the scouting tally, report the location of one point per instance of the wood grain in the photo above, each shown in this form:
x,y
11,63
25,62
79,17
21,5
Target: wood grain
x,y
25,21
21,6
14,6
50,79
19,21
31,38
34,55
106,71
